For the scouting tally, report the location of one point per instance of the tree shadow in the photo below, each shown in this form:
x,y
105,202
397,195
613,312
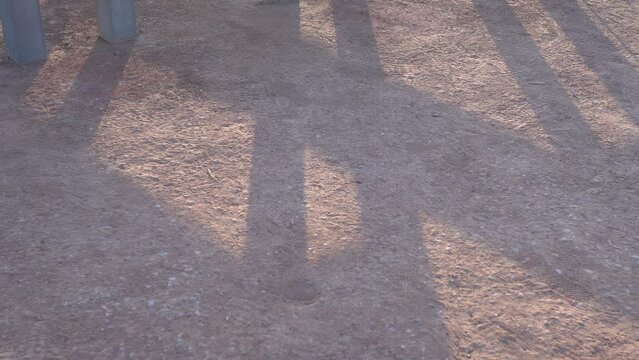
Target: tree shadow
x,y
493,184
376,299
356,129
376,294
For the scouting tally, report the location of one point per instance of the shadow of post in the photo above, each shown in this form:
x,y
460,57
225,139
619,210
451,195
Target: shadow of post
x,y
599,53
91,93
556,111
276,229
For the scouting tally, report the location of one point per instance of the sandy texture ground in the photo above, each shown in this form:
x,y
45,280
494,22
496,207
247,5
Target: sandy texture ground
x,y
325,179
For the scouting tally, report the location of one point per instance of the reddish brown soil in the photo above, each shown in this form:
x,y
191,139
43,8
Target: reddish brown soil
x,y
326,179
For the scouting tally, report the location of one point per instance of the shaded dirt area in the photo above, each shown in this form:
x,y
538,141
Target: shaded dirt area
x,y
325,179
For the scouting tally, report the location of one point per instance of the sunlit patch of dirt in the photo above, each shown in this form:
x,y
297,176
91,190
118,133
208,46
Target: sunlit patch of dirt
x,y
316,24
332,209
47,94
48,91
444,49
617,19
496,309
607,119
192,154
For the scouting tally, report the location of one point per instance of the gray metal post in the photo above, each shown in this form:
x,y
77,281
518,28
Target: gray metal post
x,y
116,20
23,33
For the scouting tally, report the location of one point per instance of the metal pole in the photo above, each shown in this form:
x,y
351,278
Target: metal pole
x,y
23,32
116,20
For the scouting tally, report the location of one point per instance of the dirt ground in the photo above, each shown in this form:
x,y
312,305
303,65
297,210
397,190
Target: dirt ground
x,y
325,179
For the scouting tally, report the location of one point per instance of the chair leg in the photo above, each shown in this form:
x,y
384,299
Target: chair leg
x,y
23,32
116,20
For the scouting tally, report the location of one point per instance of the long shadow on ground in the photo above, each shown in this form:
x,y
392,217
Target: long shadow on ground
x,y
158,288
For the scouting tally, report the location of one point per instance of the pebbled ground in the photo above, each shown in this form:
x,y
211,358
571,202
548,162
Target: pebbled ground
x,y
325,179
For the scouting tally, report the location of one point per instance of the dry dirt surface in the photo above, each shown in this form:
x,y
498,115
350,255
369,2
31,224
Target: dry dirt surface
x,y
325,179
